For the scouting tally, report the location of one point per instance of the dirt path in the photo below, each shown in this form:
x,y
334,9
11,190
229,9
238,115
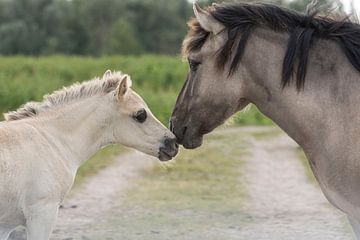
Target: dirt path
x,y
84,208
283,203
280,203
99,195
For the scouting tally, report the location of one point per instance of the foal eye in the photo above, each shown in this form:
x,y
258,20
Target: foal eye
x,y
193,65
140,116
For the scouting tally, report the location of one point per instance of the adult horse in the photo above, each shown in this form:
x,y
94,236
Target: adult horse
x,y
245,53
43,144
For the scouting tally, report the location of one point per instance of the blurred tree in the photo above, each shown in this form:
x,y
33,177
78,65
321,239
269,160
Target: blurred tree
x,y
22,29
299,5
96,27
160,25
66,30
122,40
98,16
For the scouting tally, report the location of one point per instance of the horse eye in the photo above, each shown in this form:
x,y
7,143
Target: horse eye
x,y
193,65
140,116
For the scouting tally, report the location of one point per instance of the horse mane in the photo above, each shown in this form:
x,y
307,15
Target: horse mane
x,y
241,19
75,92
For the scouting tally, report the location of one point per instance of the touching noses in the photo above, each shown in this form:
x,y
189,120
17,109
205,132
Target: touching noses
x,y
178,131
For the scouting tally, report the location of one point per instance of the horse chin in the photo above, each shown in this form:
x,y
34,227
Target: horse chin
x,y
192,142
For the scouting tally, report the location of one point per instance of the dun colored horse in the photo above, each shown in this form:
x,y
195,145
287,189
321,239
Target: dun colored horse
x,y
300,70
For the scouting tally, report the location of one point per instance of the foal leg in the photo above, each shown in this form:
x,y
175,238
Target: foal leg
x,y
40,221
355,226
5,232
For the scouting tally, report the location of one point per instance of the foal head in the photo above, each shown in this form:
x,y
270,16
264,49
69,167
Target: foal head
x,y
134,125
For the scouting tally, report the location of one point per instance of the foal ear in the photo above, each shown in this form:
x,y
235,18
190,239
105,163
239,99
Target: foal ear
x,y
124,85
207,22
107,74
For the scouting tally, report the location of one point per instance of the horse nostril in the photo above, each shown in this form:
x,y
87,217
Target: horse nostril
x,y
167,142
171,126
184,131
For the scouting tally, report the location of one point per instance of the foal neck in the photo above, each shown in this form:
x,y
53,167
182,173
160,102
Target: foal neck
x,y
80,127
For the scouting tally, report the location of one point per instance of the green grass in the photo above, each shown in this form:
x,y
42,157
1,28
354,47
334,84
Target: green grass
x,y
251,116
25,79
158,79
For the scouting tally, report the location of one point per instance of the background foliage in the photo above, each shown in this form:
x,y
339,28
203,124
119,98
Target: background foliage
x,y
156,78
59,42
98,27
92,27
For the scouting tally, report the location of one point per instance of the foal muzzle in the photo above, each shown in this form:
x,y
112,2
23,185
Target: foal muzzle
x,y
169,149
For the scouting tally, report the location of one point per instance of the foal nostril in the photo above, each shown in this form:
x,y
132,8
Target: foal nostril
x,y
169,149
170,143
167,142
171,146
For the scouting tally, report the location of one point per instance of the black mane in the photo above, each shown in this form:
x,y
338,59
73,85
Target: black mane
x,y
241,19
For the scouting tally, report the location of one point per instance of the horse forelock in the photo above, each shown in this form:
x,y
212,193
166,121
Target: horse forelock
x,y
194,39
66,95
240,20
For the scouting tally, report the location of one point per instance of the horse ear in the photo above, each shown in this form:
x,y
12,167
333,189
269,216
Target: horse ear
x,y
124,85
207,22
106,74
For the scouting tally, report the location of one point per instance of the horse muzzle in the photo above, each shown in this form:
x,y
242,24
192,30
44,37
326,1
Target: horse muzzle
x,y
185,136
169,149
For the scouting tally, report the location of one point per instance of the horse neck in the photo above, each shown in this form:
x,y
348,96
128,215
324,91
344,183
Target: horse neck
x,y
79,128
306,115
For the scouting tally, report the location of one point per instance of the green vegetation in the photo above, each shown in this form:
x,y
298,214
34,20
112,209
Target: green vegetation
x,y
101,27
108,28
92,27
24,79
251,116
157,79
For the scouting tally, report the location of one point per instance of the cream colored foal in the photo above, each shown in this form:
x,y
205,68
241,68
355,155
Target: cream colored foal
x,y
43,144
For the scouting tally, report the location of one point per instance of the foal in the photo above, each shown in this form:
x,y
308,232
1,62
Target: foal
x,y
43,144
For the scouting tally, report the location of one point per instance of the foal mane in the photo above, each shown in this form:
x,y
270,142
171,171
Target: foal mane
x,y
241,19
75,92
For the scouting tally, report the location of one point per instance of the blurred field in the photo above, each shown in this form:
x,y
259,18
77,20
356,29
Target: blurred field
x,y
158,79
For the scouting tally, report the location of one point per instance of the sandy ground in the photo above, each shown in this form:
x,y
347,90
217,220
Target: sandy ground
x,y
84,208
282,203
